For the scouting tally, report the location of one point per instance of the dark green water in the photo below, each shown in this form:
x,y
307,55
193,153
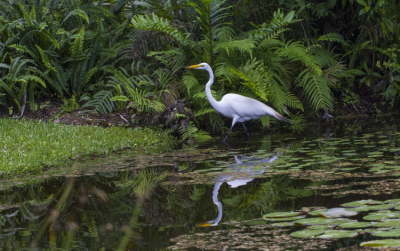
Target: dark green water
x,y
211,196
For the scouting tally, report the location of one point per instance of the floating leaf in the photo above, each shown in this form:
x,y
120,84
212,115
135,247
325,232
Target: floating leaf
x,y
388,223
333,234
307,233
381,207
355,224
362,203
389,233
320,227
283,224
338,212
281,214
285,218
320,221
360,209
389,243
381,216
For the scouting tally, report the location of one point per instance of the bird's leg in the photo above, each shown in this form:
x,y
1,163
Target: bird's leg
x,y
227,136
244,126
230,129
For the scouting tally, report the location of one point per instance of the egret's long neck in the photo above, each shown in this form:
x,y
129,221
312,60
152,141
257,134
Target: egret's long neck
x,y
210,97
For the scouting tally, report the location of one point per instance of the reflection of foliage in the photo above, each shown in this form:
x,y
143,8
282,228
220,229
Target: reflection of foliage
x,y
100,206
143,184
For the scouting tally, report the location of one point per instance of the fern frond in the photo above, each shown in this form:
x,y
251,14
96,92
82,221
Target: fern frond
x,y
272,29
316,90
333,73
159,24
32,78
139,101
324,57
45,58
281,98
77,12
101,102
191,132
24,49
29,36
255,77
244,46
333,37
205,111
270,44
225,33
77,47
297,51
189,81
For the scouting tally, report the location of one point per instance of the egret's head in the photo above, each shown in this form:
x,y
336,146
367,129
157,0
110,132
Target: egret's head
x,y
202,66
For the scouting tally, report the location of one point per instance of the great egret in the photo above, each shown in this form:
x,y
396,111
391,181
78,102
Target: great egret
x,y
235,106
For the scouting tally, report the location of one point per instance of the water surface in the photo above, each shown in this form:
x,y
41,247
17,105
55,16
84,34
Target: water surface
x,y
210,196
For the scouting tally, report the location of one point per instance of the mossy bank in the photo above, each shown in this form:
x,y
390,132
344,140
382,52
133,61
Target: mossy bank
x,y
30,146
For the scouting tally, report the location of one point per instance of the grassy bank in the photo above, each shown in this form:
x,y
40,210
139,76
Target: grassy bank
x,y
28,146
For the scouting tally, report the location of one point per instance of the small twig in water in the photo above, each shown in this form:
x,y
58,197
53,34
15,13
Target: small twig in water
x,y
124,119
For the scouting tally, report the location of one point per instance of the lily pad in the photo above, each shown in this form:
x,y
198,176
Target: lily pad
x,y
389,233
334,234
381,207
285,218
360,209
320,221
307,233
320,227
382,216
388,223
338,212
389,243
355,224
362,203
283,224
281,214
392,201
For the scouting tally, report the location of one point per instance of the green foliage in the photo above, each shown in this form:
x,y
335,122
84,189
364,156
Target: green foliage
x,y
30,146
155,23
67,42
299,56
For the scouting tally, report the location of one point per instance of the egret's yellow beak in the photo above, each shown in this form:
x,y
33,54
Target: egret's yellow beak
x,y
193,66
205,224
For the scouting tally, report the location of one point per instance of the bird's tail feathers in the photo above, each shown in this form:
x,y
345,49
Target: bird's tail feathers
x,y
280,117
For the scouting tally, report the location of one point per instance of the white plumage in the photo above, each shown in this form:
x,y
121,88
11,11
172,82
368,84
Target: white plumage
x,y
235,106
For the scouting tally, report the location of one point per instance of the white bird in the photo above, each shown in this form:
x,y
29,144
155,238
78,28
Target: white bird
x,y
235,106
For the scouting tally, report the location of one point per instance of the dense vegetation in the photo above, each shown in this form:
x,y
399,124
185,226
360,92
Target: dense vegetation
x,y
307,58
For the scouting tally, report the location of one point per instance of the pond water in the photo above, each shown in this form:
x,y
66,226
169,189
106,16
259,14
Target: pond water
x,y
330,186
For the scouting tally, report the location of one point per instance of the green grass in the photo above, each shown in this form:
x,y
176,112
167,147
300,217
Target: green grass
x,y
29,146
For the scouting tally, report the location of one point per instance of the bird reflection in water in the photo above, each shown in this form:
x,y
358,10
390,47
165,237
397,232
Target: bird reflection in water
x,y
240,173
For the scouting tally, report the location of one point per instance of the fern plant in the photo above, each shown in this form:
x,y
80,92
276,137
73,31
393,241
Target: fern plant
x,y
68,42
20,83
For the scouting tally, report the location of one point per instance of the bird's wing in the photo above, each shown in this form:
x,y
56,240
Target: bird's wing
x,y
249,108
244,106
